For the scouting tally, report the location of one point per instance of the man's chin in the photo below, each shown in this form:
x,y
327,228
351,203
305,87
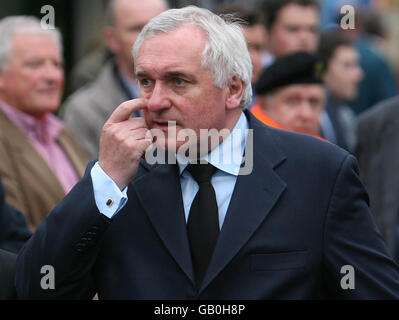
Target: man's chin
x,y
48,107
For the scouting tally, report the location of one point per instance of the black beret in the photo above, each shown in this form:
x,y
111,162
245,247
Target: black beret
x,y
296,68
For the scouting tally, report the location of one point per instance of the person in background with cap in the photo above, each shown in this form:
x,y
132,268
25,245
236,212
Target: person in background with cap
x,y
291,94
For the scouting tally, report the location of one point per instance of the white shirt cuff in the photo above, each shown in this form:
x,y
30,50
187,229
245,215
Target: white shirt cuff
x,y
109,198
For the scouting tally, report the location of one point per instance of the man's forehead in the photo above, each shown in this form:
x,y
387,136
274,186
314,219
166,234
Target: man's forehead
x,y
170,50
138,8
345,51
22,40
293,13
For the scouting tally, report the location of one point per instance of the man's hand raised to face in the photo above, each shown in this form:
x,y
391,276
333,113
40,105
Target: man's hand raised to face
x,y
123,142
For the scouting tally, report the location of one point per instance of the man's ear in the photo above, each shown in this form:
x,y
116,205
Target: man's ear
x,y
110,40
235,93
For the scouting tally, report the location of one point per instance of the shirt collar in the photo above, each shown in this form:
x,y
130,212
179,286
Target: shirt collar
x,y
228,155
46,129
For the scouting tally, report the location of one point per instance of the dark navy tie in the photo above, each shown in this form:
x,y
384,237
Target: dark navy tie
x,y
203,220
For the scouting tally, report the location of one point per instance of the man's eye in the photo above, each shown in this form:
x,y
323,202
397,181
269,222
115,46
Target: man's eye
x,y
293,101
145,82
179,81
314,30
292,28
34,64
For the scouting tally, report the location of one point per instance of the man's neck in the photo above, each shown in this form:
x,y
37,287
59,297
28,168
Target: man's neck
x,y
38,116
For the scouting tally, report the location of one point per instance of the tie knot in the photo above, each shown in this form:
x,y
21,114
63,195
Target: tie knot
x,y
201,172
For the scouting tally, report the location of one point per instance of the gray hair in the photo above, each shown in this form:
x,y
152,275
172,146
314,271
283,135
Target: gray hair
x,y
21,24
225,54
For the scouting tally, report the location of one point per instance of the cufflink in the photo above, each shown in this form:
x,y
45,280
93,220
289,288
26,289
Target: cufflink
x,y
109,202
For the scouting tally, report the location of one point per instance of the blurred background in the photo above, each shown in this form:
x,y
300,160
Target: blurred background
x,y
81,22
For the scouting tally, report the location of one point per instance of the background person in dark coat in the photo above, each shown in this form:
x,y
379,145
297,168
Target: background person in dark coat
x,y
7,267
13,234
378,154
13,229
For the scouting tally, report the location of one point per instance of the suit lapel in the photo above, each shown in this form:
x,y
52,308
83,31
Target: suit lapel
x,y
159,192
246,212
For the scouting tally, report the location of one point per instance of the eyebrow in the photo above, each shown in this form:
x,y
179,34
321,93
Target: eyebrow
x,y
141,74
166,75
174,74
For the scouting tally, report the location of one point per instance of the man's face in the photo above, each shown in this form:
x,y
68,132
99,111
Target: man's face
x,y
34,79
130,18
344,73
295,29
256,39
298,107
177,88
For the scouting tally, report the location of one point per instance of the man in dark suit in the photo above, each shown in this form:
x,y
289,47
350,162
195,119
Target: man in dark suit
x,y
378,154
13,229
7,268
13,234
290,222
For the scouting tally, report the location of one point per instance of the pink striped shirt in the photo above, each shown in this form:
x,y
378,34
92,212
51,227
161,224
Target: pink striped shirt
x,y
43,135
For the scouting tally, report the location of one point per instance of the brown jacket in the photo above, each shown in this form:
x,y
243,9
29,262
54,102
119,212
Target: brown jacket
x,y
30,184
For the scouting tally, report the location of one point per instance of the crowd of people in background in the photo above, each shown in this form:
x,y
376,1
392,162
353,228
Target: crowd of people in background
x,y
309,76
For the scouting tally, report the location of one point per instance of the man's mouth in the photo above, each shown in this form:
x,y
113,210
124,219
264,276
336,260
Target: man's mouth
x,y
48,90
164,124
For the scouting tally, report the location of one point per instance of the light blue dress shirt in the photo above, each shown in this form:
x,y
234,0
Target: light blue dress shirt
x,y
226,157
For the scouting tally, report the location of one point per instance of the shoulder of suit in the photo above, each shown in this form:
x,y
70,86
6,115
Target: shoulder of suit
x,y
303,147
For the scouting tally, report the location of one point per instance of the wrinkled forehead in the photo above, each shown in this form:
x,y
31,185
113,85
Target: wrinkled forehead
x,y
187,40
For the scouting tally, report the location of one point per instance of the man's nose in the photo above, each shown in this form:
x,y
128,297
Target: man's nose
x,y
52,73
305,37
159,97
359,74
306,111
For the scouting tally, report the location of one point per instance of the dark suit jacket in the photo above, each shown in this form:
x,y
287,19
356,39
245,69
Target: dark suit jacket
x,y
13,229
378,154
291,225
7,268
